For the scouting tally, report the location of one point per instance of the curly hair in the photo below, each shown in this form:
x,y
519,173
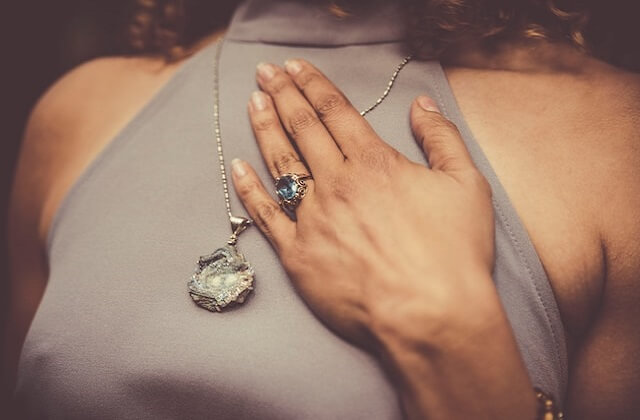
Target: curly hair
x,y
605,29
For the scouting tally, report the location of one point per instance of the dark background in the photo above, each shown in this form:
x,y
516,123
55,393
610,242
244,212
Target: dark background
x,y
41,40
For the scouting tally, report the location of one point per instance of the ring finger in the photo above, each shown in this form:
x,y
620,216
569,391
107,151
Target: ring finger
x,y
277,151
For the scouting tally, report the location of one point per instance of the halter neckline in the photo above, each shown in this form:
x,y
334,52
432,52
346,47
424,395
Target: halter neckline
x,y
294,22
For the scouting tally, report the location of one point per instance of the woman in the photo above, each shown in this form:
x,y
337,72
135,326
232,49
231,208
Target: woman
x,y
458,306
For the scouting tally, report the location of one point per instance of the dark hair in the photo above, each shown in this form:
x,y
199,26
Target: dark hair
x,y
606,29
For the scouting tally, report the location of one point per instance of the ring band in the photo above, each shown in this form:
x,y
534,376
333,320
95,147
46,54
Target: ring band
x,y
291,189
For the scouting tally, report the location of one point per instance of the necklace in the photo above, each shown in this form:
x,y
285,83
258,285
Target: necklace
x,y
225,278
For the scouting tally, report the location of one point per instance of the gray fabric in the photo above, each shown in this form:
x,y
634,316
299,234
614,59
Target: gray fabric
x,y
116,334
292,22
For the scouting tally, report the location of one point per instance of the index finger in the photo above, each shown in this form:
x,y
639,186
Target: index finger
x,y
347,127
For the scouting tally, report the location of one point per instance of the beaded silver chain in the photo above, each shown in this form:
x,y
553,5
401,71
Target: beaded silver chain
x,y
392,80
216,127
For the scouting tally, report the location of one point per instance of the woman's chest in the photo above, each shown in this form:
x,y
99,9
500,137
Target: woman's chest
x,y
117,314
117,335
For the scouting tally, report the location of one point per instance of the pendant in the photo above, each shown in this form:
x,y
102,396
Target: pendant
x,y
224,278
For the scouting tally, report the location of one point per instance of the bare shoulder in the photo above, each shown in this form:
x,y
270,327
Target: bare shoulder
x,y
606,363
619,134
73,121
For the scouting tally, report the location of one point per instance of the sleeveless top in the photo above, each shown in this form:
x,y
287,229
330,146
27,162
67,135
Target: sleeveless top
x,y
117,335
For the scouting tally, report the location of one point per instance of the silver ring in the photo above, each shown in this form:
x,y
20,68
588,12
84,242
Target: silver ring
x,y
291,189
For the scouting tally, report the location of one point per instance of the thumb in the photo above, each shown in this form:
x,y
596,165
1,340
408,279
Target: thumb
x,y
439,137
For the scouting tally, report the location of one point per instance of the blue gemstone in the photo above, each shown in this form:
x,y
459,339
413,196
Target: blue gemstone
x,y
287,187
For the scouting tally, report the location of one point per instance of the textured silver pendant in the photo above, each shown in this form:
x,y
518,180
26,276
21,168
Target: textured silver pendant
x,y
222,279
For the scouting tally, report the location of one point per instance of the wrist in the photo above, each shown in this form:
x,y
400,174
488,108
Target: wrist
x,y
454,356
435,313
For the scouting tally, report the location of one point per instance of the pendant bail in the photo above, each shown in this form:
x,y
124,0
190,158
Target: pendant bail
x,y
238,225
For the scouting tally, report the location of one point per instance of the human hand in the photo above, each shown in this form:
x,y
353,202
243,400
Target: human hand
x,y
378,238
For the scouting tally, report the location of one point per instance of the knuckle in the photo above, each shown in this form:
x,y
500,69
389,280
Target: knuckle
x,y
284,162
266,212
306,78
341,188
437,142
278,84
379,158
442,126
248,188
302,120
445,161
330,104
264,124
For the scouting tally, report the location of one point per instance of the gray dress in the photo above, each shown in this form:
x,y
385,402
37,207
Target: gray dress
x,y
116,334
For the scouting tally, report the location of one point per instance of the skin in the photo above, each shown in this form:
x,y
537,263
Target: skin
x,y
562,135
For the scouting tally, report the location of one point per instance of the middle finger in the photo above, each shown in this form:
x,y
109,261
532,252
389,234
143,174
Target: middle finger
x,y
300,120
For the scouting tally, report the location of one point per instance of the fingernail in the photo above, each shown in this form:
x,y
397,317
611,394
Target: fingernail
x,y
293,66
258,100
428,104
266,71
237,166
